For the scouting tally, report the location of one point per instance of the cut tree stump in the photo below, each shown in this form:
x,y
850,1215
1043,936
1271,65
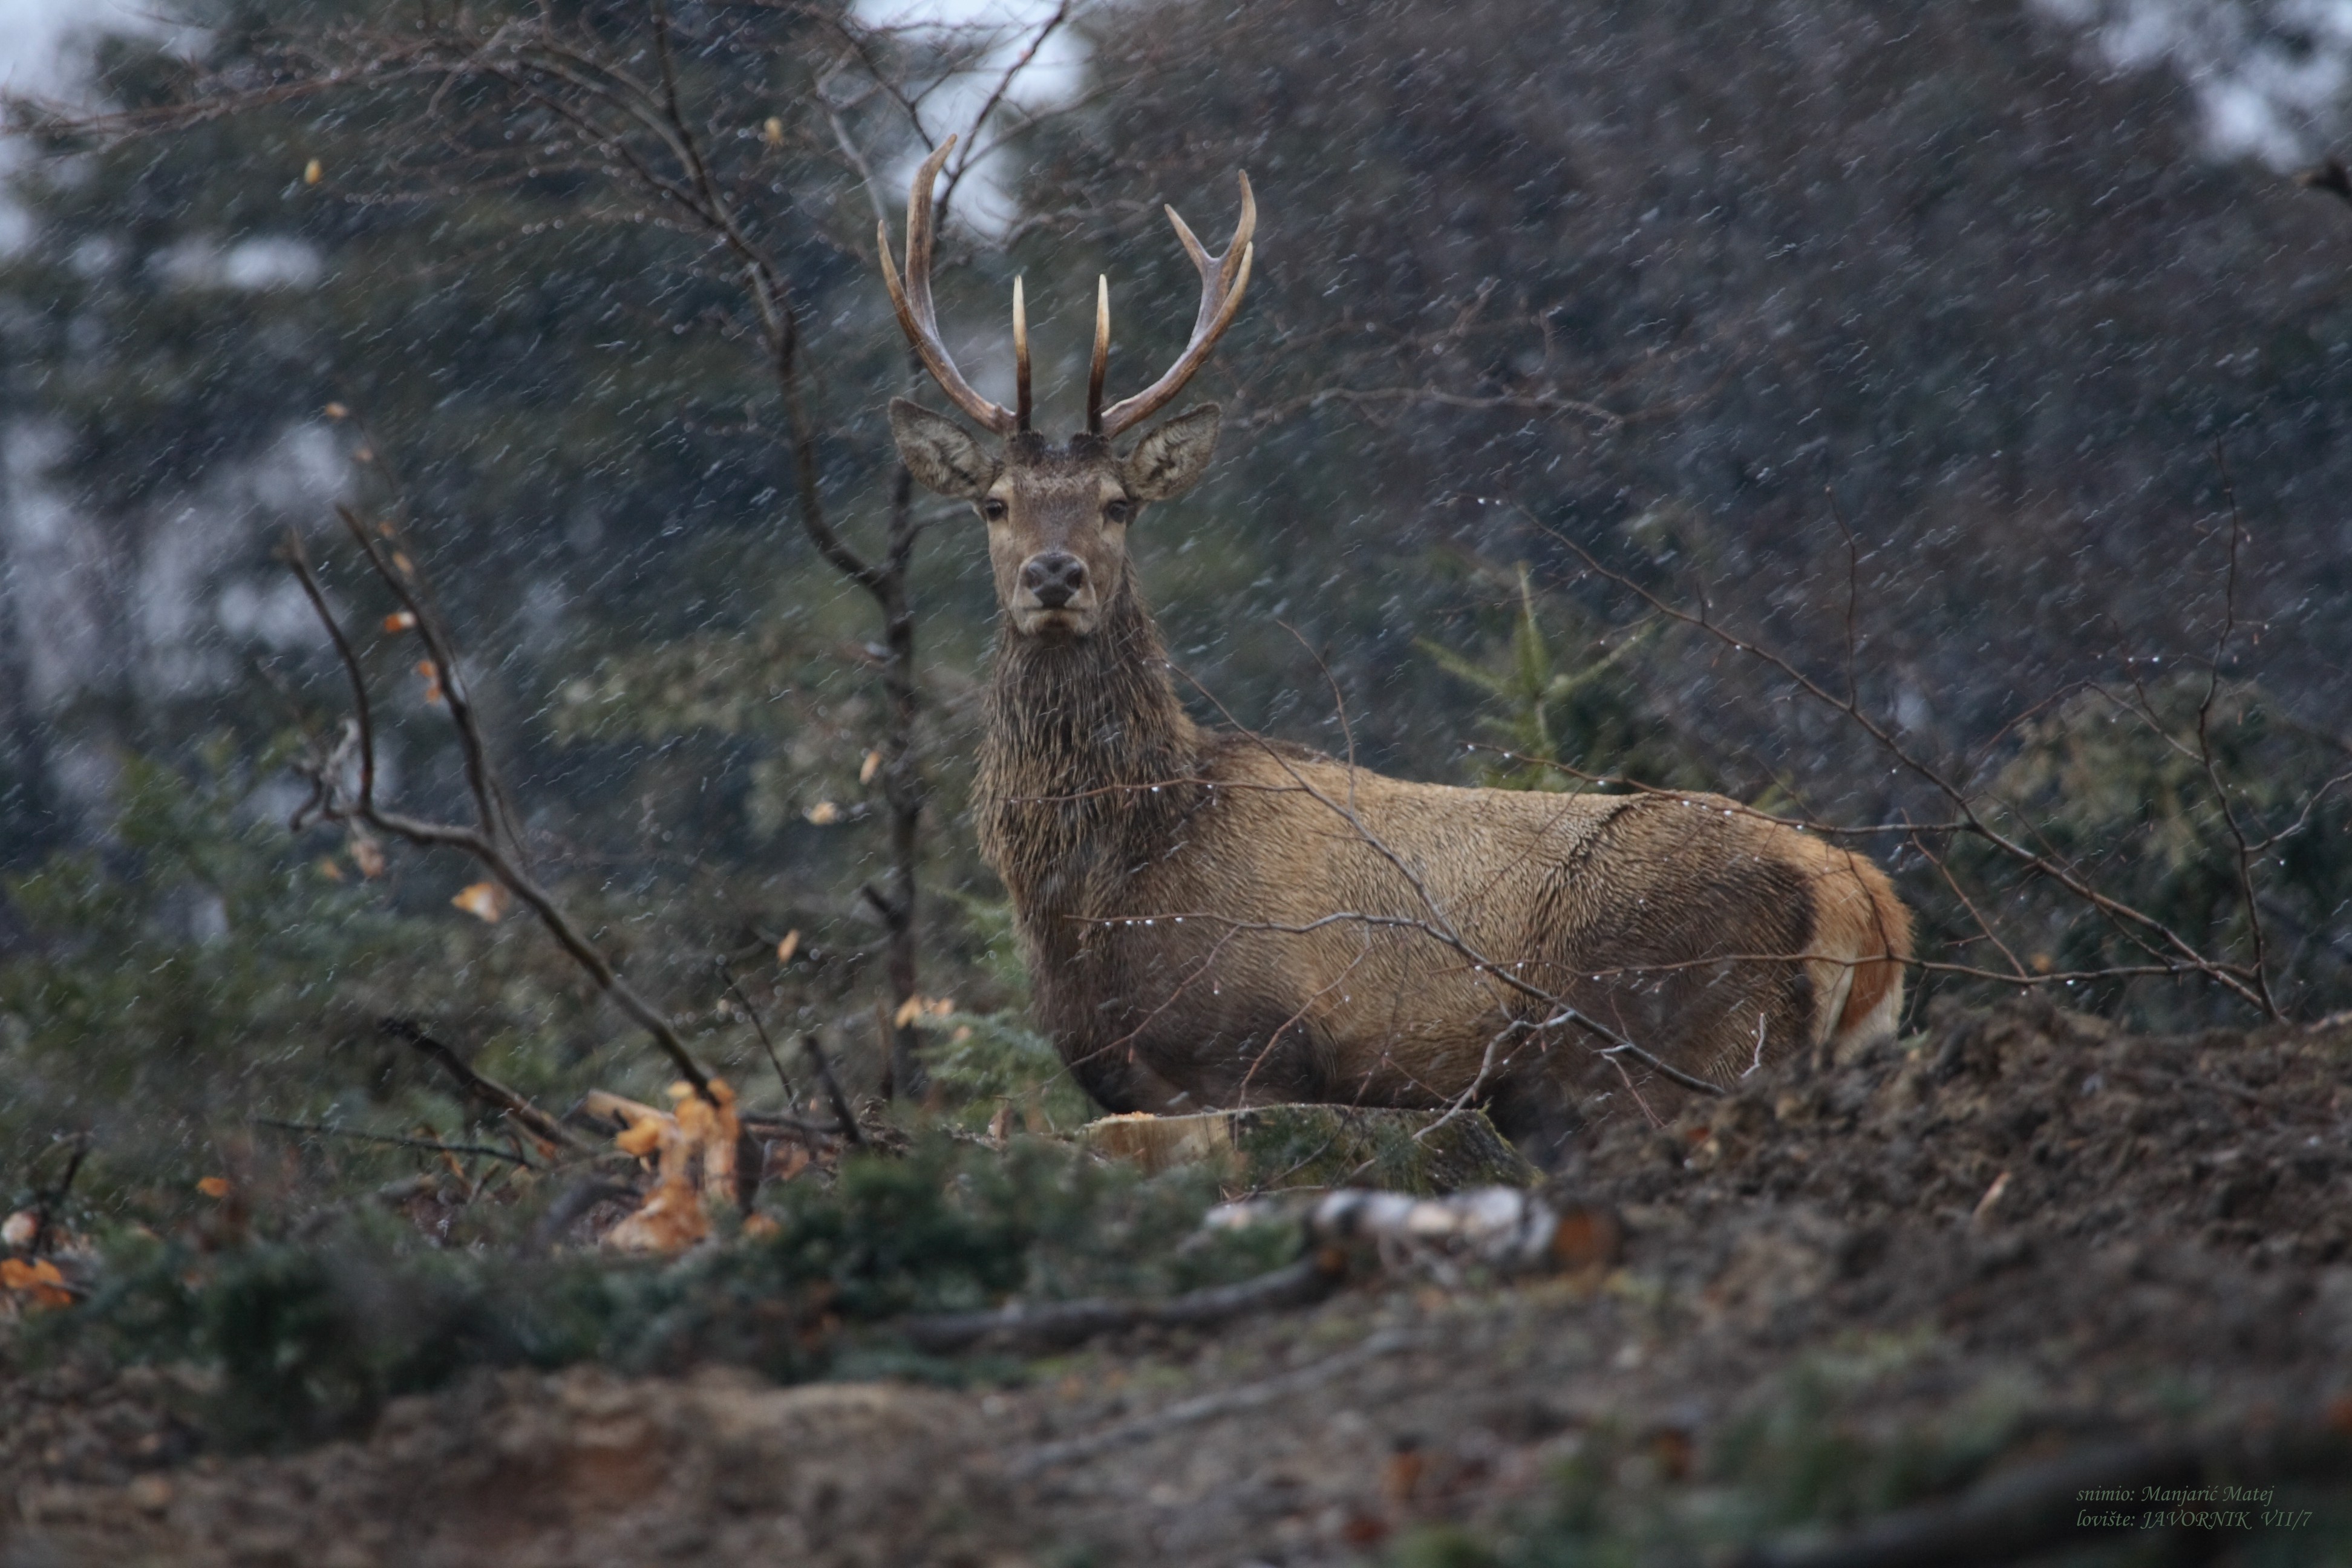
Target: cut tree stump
x,y
1276,1146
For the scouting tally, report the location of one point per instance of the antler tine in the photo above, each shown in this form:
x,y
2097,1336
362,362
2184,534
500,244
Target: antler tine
x,y
1020,356
1102,355
1213,289
916,316
1223,279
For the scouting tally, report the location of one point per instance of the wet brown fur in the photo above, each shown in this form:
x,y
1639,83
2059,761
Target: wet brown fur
x,y
1150,861
1212,919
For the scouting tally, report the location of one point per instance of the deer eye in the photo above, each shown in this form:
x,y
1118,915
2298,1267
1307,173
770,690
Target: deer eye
x,y
1119,511
992,509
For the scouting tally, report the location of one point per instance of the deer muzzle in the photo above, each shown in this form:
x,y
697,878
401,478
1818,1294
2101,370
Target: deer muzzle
x,y
1054,579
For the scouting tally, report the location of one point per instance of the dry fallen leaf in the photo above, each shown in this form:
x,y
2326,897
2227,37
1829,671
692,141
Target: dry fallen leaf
x,y
941,1006
824,814
485,901
329,870
337,411
312,172
868,769
400,621
700,1138
432,681
38,1279
19,1228
407,567
908,1010
773,131
214,1186
1586,1238
789,946
1402,1472
367,855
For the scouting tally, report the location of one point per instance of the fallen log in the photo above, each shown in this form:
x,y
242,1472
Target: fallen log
x,y
1051,1325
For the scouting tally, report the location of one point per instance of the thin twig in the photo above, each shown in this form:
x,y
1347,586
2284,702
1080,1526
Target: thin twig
x,y
2255,933
2231,977
45,1212
429,1144
482,1088
847,1117
482,841
727,975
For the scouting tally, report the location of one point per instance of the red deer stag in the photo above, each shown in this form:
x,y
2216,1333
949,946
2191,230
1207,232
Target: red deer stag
x,y
1212,919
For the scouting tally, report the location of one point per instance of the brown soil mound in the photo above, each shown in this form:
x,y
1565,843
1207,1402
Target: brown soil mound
x,y
2030,1227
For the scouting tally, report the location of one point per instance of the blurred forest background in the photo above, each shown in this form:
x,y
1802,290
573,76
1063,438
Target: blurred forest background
x,y
1989,354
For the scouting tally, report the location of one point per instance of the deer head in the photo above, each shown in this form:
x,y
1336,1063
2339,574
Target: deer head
x,y
1057,516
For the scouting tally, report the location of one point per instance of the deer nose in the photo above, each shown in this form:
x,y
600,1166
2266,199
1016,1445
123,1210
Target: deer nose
x,y
1056,577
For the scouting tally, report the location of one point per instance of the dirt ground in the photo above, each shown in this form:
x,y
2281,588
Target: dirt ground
x,y
2027,1225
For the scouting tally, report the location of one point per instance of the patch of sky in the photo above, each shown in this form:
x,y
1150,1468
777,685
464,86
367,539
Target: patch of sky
x,y
2269,76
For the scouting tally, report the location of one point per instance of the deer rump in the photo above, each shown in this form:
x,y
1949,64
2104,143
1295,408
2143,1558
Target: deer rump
x,y
1287,928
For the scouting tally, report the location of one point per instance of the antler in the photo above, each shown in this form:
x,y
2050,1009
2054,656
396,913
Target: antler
x,y
1223,280
921,320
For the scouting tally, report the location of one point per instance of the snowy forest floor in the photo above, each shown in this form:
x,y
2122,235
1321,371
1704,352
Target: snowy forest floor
x,y
2025,1241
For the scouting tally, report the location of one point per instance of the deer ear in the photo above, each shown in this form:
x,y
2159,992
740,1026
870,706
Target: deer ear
x,y
1172,459
939,453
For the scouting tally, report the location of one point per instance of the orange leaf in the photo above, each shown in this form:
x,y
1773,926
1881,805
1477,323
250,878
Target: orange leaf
x,y
789,946
485,901
312,172
329,870
38,1278
367,855
872,765
824,814
642,1139
400,621
214,1186
432,680
907,1011
337,411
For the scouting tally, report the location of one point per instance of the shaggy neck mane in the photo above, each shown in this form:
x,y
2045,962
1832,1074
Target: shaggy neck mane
x,y
1085,770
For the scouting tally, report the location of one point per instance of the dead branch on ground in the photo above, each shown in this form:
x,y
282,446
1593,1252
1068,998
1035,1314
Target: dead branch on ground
x,y
1042,1326
1213,1406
